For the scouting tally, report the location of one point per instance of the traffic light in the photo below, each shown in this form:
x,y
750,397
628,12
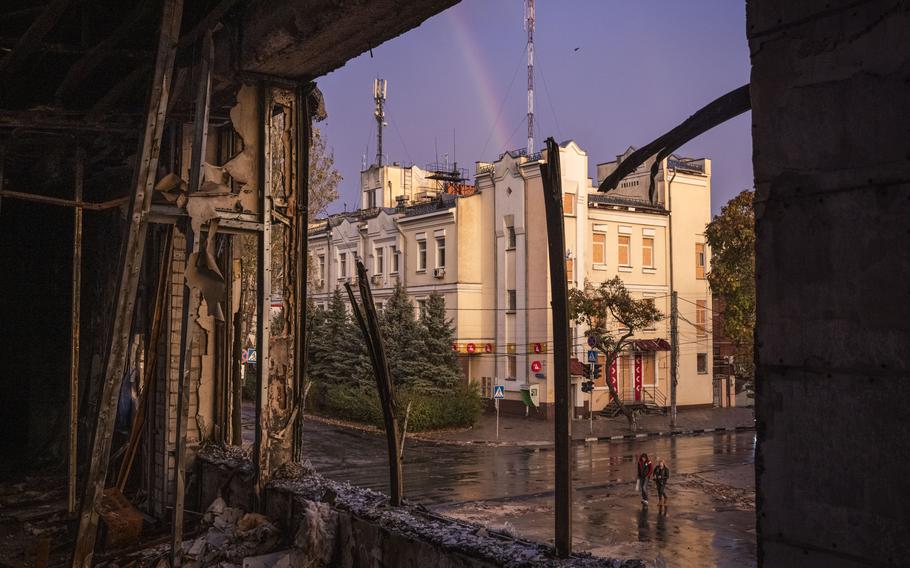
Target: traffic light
x,y
597,368
587,386
587,372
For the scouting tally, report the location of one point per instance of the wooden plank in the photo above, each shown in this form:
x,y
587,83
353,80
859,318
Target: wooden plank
x,y
129,280
552,191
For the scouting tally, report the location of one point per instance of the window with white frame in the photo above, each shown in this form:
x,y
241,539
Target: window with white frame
x,y
421,255
440,252
598,248
421,308
512,302
321,274
379,260
510,237
393,253
511,367
342,265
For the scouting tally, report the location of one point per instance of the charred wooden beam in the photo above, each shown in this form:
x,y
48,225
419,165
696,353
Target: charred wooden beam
x,y
133,252
31,40
368,321
57,120
59,201
552,192
714,113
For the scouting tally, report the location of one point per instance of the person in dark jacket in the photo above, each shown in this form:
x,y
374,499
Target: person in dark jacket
x,y
645,468
661,475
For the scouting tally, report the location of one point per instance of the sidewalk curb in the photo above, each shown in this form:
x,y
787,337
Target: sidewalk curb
x,y
640,435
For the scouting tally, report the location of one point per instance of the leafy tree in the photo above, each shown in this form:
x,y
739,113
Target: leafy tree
x,y
612,317
439,334
731,236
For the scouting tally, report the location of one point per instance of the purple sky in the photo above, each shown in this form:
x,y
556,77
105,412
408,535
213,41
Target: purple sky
x,y
640,68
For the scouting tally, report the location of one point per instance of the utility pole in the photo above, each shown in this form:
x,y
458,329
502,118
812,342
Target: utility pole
x,y
529,24
379,95
674,355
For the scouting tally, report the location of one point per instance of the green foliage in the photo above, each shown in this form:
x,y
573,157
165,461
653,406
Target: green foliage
x,y
459,408
611,314
337,353
438,336
731,236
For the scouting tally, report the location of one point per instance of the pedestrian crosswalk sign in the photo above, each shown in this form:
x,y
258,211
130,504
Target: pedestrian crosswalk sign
x,y
499,392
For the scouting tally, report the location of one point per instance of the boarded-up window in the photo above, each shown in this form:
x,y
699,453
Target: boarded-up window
x,y
647,252
700,260
599,248
623,252
701,316
568,203
570,270
649,376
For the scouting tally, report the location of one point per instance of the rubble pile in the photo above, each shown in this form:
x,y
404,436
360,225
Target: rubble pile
x,y
420,524
230,537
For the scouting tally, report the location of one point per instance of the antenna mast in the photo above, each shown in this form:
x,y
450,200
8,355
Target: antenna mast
x,y
379,95
529,24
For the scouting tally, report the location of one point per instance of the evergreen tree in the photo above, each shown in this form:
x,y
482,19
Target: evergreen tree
x,y
315,324
404,343
438,336
338,349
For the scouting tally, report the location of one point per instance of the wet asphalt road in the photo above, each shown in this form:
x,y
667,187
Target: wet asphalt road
x,y
498,485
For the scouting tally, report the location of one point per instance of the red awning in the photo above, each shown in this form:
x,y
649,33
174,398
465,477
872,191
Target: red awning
x,y
650,345
576,367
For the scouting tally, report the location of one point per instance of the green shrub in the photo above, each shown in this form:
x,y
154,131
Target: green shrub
x,y
458,408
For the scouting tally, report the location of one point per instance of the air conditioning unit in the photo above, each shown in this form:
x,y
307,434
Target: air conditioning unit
x,y
376,279
439,272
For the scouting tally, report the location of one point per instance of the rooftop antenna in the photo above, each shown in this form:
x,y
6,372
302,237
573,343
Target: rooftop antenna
x,y
379,95
529,25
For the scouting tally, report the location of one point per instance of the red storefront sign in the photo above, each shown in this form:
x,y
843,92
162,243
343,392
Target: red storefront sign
x,y
471,348
638,362
613,376
536,366
488,348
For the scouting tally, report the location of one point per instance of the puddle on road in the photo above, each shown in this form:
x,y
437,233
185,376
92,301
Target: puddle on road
x,y
694,530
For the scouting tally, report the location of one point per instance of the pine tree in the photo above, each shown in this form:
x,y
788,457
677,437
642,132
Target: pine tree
x,y
439,334
338,350
405,349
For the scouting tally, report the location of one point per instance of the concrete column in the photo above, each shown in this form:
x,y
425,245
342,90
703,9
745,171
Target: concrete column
x,y
830,88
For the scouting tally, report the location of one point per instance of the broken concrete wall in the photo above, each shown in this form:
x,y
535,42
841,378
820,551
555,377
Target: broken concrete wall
x,y
830,85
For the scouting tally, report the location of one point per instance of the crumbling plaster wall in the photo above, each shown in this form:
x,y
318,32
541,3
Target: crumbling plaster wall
x,y
830,85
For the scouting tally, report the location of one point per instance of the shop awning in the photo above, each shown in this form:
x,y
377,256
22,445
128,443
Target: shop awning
x,y
650,345
576,367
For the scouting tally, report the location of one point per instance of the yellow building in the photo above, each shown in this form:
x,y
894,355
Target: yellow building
x,y
485,250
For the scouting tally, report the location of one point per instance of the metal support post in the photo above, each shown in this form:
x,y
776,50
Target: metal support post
x,y
674,355
552,185
188,324
75,318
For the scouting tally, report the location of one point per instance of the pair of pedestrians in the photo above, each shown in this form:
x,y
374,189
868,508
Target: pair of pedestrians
x,y
645,471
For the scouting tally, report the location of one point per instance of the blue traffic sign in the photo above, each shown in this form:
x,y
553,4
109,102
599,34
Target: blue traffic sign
x,y
591,341
499,391
592,356
251,355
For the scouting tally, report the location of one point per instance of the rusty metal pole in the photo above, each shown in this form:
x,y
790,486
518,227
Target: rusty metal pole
x,y
134,250
368,321
188,324
263,299
304,135
75,317
552,191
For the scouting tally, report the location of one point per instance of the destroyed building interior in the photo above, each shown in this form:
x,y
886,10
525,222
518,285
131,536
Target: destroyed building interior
x,y
153,196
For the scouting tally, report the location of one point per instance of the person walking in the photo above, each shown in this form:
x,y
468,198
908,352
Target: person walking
x,y
661,475
645,468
